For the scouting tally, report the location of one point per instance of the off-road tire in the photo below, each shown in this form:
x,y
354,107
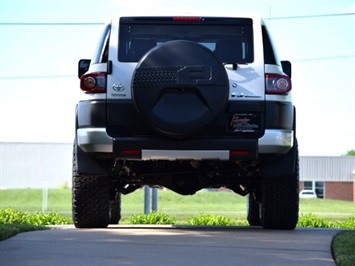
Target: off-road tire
x,y
115,209
90,199
280,200
253,211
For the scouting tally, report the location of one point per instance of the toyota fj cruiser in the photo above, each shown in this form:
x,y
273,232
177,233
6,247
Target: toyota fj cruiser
x,y
186,103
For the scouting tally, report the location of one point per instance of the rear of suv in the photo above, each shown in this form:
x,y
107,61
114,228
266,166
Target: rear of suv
x,y
185,103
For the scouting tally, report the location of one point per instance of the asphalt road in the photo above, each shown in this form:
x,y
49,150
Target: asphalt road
x,y
166,245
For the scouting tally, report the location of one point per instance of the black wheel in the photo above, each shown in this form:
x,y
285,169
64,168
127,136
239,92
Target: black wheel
x,y
115,209
179,88
280,199
253,209
90,199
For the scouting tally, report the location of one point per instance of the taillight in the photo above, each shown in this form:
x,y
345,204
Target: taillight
x,y
131,154
187,19
277,84
93,82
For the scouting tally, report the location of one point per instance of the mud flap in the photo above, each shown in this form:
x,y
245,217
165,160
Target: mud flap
x,y
279,166
87,164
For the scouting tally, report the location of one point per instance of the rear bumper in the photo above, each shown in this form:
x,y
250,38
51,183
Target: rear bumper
x,y
274,141
94,140
190,149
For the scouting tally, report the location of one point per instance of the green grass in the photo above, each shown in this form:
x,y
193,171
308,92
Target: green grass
x,y
59,200
327,208
9,230
171,202
181,208
343,248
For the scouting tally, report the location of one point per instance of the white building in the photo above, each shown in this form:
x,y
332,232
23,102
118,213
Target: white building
x,y
34,165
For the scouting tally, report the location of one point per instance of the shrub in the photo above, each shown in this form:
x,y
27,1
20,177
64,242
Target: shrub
x,y
9,216
151,218
210,219
13,222
347,224
311,220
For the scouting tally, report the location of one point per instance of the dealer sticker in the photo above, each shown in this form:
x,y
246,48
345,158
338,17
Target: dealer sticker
x,y
244,123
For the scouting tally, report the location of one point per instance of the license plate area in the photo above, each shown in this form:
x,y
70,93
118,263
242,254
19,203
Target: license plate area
x,y
244,123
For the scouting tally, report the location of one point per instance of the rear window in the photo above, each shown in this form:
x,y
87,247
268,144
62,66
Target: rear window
x,y
231,39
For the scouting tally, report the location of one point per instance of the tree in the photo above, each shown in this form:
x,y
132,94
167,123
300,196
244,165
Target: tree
x,y
351,153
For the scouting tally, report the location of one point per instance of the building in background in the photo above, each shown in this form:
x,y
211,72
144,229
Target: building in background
x,y
330,177
38,165
35,165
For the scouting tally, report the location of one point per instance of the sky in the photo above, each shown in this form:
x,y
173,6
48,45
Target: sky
x,y
41,42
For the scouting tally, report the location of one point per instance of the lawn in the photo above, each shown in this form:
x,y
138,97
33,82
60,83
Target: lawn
x,y
59,200
180,207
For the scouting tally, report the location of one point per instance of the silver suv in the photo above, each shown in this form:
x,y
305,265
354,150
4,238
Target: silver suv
x,y
185,103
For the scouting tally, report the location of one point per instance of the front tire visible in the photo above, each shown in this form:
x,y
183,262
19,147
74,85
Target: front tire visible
x,y
253,209
115,209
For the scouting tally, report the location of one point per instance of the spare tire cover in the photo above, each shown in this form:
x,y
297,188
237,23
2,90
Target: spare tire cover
x,y
179,88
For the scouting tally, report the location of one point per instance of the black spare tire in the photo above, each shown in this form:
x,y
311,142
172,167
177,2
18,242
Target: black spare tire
x,y
179,88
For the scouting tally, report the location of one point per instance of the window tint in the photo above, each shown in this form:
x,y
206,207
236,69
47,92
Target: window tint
x,y
232,43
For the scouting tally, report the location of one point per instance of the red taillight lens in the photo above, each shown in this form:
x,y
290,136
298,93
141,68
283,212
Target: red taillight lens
x,y
93,82
277,84
238,153
131,152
